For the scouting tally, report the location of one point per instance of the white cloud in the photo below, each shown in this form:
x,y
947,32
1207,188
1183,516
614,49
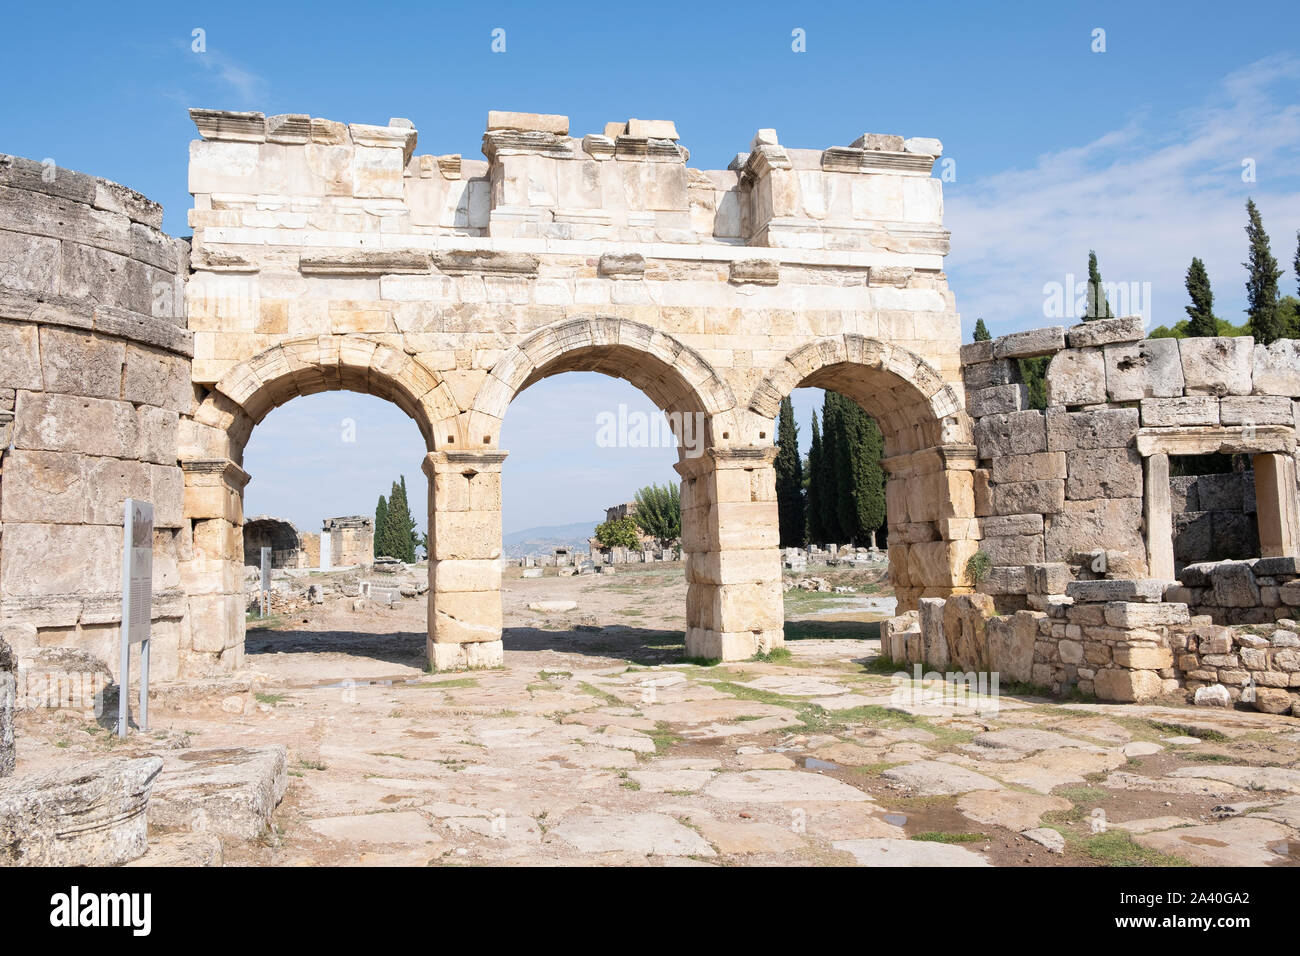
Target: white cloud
x,y
1147,196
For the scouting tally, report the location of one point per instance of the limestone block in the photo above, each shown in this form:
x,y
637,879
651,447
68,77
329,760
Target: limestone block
x,y
1256,410
1151,368
1103,428
462,617
1048,578
1004,580
1217,366
466,534
1013,549
456,657
1018,524
1104,591
652,129
1105,331
1011,644
997,399
1030,343
989,374
965,620
973,353
1129,615
88,814
1021,497
934,646
1126,686
1087,526
1076,377
80,363
537,122
1277,368
1233,585
1035,467
1189,410
1014,433
1103,473
93,426
466,575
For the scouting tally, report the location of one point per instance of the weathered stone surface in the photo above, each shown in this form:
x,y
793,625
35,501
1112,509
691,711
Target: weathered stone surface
x,y
1103,591
1108,428
1215,695
1151,368
1103,473
230,792
1105,331
1076,377
1241,841
884,852
1035,467
997,400
89,814
779,786
1256,410
1277,368
1217,366
1233,585
1009,808
1030,343
1021,497
1188,410
647,834
928,778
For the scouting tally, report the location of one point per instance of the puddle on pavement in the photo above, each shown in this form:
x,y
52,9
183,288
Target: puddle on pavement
x,y
896,819
812,763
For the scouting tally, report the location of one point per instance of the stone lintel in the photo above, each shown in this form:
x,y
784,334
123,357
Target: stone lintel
x,y
502,263
925,461
393,137
510,142
230,125
366,262
848,159
1217,439
552,123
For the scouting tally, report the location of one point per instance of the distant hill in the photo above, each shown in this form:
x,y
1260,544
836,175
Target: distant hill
x,y
539,541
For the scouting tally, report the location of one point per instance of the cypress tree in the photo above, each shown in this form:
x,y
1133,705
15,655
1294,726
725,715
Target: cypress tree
x,y
871,506
1097,307
1200,314
381,528
1261,281
849,469
816,529
981,331
789,479
399,536
832,438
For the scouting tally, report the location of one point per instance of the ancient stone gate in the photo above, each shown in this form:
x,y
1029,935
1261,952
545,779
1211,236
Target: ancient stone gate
x,y
331,256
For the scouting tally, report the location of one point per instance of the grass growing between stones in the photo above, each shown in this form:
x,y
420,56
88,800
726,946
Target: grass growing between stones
x,y
444,684
939,836
1188,730
777,655
1116,848
602,695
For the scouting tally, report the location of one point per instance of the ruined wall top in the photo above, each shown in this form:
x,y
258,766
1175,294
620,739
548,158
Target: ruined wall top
x,y
628,183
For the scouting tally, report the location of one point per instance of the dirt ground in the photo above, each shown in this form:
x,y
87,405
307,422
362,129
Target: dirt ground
x,y
597,743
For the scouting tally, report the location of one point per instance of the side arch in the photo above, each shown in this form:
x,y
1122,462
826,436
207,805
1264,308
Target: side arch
x,y
906,395
349,362
929,457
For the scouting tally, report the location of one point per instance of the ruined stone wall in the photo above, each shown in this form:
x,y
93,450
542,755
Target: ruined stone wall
x,y
94,381
1076,508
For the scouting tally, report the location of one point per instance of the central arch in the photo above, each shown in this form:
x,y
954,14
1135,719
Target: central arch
x,y
929,453
211,449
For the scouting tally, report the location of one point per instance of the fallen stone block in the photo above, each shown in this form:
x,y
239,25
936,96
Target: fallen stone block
x,y
89,814
229,792
1126,328
1145,590
1030,343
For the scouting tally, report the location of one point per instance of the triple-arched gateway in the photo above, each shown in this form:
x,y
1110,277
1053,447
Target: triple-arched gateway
x,y
328,256
332,256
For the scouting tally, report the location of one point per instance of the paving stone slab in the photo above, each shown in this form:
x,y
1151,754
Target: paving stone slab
x,y
883,852
780,786
651,834
930,778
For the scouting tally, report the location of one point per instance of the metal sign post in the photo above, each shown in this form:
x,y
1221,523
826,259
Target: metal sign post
x,y
264,599
137,605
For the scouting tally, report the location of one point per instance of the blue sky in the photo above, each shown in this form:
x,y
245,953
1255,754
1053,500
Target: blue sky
x,y
1136,152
